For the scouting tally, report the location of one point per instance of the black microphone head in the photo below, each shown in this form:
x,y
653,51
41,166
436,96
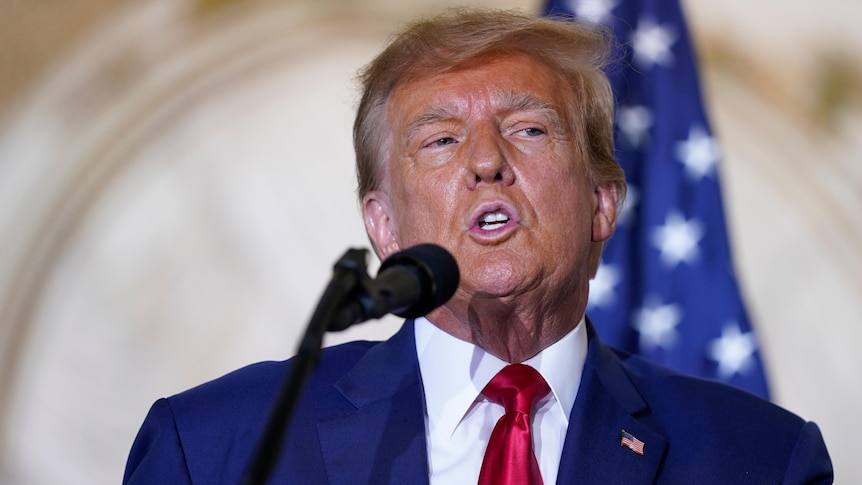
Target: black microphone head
x,y
438,274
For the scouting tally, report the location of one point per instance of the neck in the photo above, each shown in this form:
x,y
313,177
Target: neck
x,y
513,330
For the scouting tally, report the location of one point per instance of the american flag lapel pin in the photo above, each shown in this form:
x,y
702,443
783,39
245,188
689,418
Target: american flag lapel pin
x,y
629,441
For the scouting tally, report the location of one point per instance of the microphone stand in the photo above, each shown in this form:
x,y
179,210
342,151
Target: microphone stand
x,y
349,275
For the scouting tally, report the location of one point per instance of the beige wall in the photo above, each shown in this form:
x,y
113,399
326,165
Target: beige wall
x,y
176,182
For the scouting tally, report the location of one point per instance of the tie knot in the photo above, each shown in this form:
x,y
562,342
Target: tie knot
x,y
517,387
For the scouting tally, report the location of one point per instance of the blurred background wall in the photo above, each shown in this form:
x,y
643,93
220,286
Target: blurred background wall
x,y
176,181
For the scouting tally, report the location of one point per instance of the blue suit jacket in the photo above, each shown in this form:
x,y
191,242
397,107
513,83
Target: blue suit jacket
x,y
361,420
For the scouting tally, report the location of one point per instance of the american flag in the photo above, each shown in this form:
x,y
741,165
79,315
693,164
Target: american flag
x,y
666,287
629,441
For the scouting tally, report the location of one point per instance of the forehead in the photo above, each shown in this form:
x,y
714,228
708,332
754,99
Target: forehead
x,y
513,82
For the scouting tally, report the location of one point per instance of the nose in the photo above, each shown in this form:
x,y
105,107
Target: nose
x,y
488,162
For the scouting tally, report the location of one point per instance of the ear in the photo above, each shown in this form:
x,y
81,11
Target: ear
x,y
377,211
605,214
604,223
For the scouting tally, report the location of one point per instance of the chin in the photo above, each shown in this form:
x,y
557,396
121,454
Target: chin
x,y
499,279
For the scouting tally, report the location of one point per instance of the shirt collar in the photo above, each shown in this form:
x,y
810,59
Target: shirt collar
x,y
454,372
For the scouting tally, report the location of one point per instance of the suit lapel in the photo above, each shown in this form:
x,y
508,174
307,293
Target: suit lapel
x,y
383,440
607,404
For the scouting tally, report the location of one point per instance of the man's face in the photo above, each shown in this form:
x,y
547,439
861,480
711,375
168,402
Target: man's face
x,y
482,161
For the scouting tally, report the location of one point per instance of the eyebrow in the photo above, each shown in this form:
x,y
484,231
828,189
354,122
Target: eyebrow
x,y
433,114
511,102
520,102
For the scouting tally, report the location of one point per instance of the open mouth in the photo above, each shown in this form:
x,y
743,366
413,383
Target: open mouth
x,y
493,220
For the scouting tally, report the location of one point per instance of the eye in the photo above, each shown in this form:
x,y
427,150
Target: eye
x,y
533,131
442,141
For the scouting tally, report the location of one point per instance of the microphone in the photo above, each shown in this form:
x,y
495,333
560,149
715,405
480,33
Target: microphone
x,y
410,283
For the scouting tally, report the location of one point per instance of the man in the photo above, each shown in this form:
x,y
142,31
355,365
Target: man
x,y
490,134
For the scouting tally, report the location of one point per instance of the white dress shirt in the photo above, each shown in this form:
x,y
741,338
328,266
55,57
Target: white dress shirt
x,y
459,419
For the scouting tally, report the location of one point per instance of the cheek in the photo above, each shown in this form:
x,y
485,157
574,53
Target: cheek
x,y
566,201
437,186
424,206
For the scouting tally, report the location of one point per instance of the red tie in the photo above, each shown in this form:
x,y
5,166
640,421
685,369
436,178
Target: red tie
x,y
509,459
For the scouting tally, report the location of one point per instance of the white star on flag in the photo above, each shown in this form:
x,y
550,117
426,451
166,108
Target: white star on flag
x,y
634,123
734,351
596,11
602,285
656,324
652,42
678,239
671,244
699,153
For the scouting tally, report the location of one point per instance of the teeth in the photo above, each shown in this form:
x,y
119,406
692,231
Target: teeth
x,y
493,220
